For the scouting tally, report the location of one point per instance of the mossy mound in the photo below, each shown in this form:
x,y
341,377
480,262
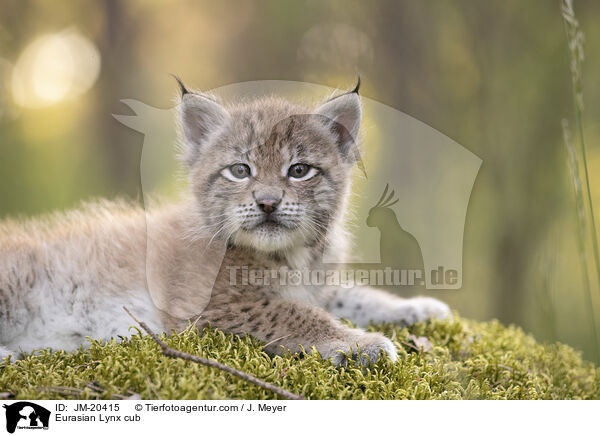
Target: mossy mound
x,y
467,360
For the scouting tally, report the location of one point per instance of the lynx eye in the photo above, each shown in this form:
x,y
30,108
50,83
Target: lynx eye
x,y
236,172
301,171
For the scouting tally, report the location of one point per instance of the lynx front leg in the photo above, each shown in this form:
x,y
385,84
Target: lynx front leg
x,y
295,326
363,305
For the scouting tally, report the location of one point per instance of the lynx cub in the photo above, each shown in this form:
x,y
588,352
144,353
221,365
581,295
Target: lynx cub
x,y
269,182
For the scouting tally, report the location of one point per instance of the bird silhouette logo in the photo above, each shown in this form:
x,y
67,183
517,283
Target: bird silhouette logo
x,y
398,248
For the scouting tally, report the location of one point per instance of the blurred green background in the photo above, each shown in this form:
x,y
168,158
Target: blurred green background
x,y
493,76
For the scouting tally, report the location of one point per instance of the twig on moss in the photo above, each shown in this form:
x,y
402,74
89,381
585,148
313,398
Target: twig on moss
x,y
95,390
63,390
411,346
171,352
277,339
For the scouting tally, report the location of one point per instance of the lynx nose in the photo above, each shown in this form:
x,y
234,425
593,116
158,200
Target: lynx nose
x,y
268,205
267,199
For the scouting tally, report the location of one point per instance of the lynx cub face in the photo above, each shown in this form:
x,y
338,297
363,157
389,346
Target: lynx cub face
x,y
269,175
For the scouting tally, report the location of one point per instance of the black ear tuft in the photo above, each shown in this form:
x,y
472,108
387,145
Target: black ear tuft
x,y
354,91
357,87
182,87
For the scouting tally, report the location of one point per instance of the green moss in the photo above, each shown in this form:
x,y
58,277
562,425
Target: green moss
x,y
468,360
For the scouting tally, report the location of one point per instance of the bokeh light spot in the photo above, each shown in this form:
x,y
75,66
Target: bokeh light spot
x,y
54,68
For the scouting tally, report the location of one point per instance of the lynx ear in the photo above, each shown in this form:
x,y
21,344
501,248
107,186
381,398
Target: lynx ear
x,y
343,115
200,117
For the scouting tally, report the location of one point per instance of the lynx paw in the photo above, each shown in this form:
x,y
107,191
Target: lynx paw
x,y
420,309
366,349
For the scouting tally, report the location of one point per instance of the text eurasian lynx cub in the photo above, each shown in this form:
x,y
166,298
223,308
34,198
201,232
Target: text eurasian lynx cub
x,y
269,182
